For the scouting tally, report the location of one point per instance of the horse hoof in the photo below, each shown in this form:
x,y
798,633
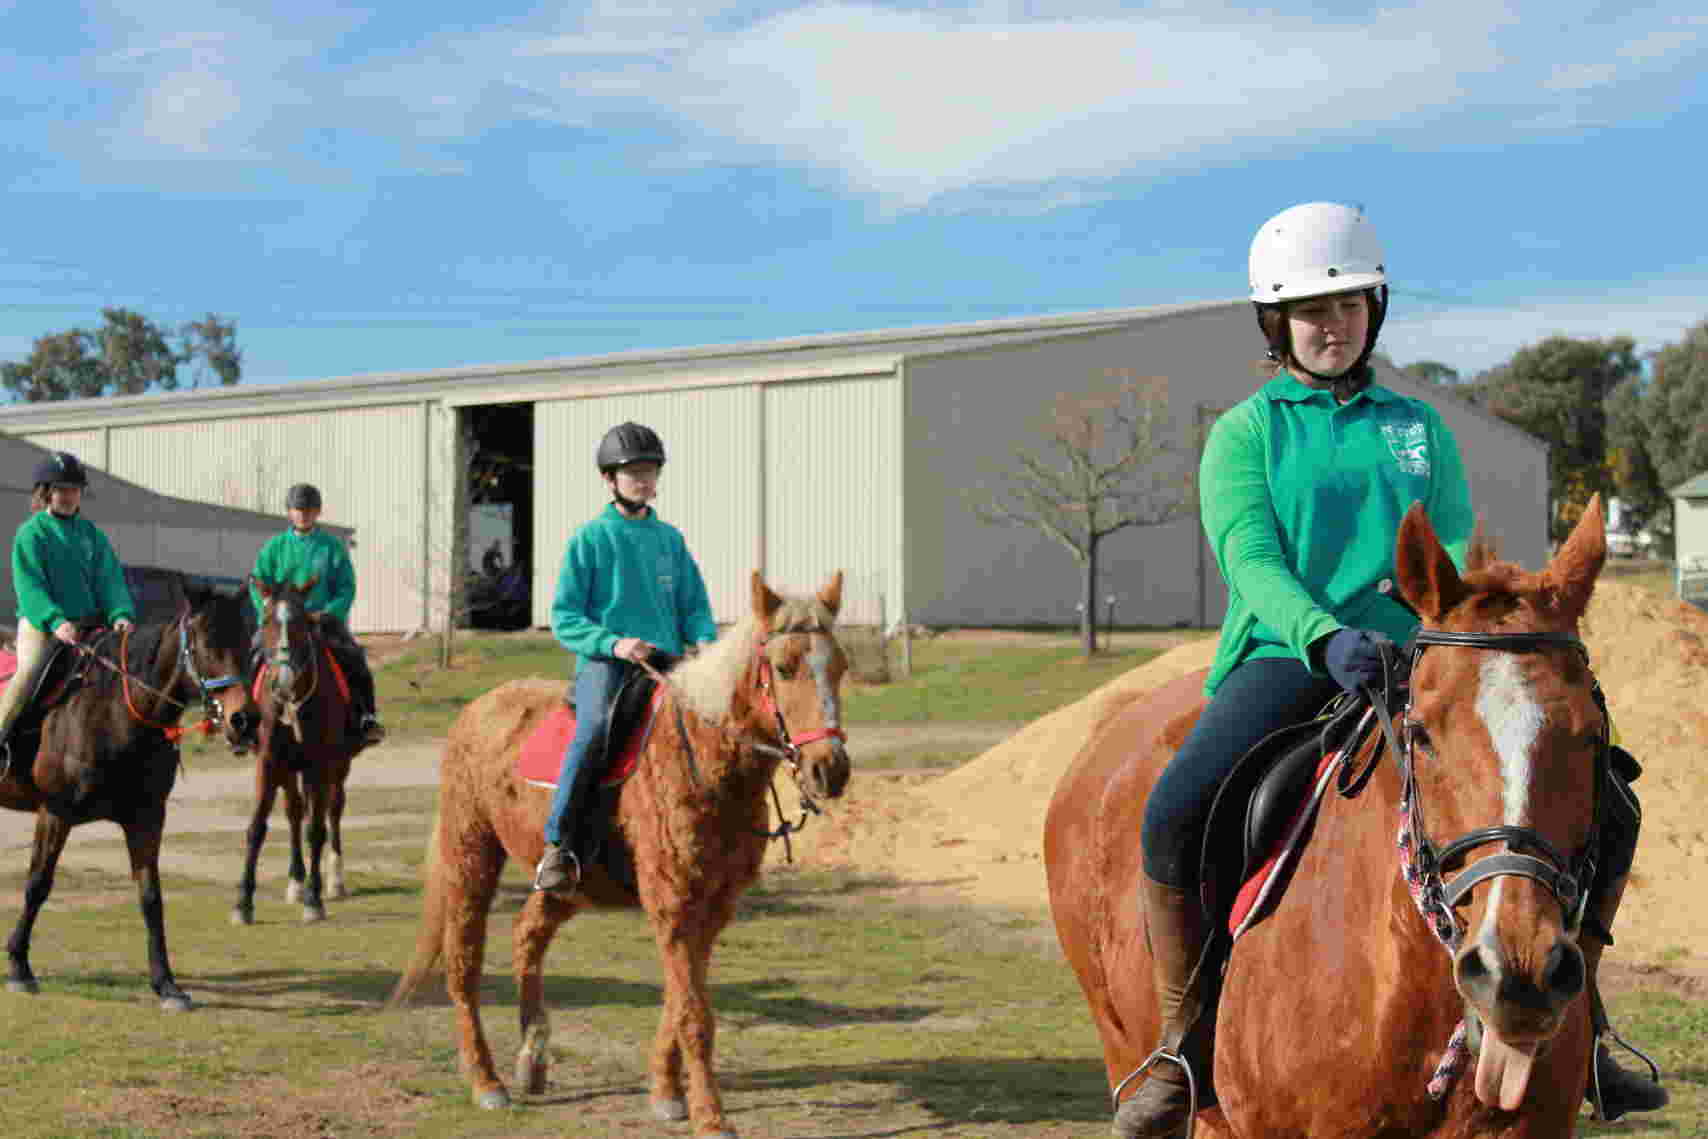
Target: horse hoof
x,y
669,1110
178,1002
312,914
293,892
241,916
28,987
531,1076
337,892
495,1100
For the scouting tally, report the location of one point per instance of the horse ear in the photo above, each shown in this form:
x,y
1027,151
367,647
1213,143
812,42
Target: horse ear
x,y
765,602
831,595
1428,581
1570,577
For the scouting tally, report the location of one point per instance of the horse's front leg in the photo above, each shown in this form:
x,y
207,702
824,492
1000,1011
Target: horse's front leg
x,y
535,927
335,839
266,790
313,908
470,880
142,840
687,1030
51,832
292,784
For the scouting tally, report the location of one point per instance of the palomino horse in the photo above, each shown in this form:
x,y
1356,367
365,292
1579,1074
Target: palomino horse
x,y
1352,1007
693,815
306,749
110,751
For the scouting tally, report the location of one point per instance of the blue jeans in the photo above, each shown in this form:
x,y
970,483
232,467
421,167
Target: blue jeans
x,y
1255,699
596,683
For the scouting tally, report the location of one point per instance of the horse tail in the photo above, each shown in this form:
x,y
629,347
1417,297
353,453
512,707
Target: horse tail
x,y
430,937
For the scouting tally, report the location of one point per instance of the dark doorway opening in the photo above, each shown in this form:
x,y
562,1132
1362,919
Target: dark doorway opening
x,y
500,438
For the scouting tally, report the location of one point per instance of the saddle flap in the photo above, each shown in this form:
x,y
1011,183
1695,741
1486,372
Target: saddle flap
x,y
1276,772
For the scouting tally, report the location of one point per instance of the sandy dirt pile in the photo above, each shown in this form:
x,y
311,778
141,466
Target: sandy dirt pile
x,y
978,831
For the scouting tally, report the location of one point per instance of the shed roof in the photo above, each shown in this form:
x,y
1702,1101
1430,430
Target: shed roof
x,y
1692,488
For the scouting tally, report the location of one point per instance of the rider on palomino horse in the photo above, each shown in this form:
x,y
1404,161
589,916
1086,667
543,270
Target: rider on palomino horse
x,y
1304,485
66,577
628,589
307,553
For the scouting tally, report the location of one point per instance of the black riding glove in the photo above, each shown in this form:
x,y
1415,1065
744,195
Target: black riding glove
x,y
1353,657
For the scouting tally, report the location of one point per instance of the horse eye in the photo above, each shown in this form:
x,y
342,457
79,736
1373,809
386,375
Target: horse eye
x,y
1418,736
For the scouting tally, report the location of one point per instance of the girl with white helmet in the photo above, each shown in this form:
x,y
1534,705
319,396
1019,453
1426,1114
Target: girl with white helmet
x,y
1303,486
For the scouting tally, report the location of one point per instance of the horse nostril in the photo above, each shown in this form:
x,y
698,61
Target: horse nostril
x,y
1472,971
1564,972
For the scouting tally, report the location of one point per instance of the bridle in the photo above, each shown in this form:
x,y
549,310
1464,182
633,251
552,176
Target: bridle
x,y
213,717
1426,867
290,704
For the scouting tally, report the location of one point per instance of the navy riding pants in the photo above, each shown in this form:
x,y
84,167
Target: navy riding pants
x,y
1255,699
596,684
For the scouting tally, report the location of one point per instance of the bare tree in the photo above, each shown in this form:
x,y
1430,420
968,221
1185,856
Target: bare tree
x,y
1111,460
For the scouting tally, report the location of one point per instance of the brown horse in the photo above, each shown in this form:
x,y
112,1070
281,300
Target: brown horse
x,y
1347,1011
110,751
693,815
305,751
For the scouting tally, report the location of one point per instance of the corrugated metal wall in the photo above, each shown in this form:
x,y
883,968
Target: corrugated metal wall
x,y
710,489
831,457
359,457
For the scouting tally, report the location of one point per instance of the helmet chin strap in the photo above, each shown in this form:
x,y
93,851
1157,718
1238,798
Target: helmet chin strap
x,y
628,506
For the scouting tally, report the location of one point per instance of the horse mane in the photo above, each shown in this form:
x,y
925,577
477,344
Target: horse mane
x,y
708,682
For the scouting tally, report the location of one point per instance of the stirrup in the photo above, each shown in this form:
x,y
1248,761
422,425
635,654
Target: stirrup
x,y
569,866
1594,1091
1178,1059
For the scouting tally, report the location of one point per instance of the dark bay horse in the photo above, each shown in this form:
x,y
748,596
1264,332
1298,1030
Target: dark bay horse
x,y
1347,1011
305,751
693,815
110,751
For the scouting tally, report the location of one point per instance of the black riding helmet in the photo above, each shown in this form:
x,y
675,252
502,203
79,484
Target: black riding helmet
x,y
60,468
629,443
303,496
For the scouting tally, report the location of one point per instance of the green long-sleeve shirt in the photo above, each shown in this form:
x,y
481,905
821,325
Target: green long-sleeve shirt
x,y
629,577
293,558
1302,502
64,569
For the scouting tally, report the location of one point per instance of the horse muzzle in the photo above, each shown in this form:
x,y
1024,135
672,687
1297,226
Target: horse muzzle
x,y
825,768
1519,1002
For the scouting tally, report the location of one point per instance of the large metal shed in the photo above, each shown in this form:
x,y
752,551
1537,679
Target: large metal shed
x,y
797,457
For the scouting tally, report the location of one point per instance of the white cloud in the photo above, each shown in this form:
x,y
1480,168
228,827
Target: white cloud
x,y
1473,340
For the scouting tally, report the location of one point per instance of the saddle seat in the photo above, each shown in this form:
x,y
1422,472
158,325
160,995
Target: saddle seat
x,y
633,711
60,678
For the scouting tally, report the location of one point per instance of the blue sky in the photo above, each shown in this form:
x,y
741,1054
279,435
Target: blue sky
x,y
433,184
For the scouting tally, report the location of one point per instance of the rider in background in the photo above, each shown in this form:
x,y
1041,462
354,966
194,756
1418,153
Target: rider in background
x,y
628,588
306,551
65,574
1303,486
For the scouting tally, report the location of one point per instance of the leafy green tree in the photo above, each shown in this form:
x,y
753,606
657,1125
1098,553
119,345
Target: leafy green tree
x,y
128,355
1557,390
1432,372
1674,409
1630,461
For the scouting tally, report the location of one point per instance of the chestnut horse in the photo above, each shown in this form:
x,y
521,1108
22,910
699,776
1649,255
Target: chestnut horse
x,y
306,749
110,751
693,815
1347,1011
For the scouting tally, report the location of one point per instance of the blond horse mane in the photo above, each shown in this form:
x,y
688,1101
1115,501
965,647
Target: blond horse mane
x,y
708,682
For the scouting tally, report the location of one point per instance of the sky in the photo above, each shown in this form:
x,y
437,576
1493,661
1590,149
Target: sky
x,y
430,185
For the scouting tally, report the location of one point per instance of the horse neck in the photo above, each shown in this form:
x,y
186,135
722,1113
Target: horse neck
x,y
730,756
159,698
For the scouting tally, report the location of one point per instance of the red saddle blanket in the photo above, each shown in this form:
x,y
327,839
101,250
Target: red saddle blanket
x,y
8,665
542,751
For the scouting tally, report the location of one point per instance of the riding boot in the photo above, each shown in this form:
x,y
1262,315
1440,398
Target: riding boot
x,y
1621,1090
1179,1070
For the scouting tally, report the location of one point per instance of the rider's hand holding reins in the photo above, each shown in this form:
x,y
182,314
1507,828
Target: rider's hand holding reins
x,y
1353,657
65,631
634,650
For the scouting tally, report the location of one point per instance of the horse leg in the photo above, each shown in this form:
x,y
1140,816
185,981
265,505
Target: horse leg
x,y
266,790
538,923
687,1029
313,909
292,784
51,832
142,840
471,868
335,837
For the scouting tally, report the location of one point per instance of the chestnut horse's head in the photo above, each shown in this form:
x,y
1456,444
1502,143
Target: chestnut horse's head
x,y
800,667
1506,737
287,644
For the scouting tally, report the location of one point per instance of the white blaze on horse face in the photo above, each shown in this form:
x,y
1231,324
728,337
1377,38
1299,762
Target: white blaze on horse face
x,y
1514,720
819,661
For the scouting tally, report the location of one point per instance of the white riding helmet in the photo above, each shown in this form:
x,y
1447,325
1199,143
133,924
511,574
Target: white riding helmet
x,y
1312,250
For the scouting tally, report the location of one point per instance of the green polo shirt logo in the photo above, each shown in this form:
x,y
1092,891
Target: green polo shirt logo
x,y
1409,443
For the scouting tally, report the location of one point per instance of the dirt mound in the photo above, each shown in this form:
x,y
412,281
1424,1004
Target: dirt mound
x,y
978,830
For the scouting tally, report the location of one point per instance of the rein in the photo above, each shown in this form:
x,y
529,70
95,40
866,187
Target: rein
x,y
1425,867
212,717
788,752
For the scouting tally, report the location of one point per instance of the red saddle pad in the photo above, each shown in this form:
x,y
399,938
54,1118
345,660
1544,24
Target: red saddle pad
x,y
8,665
542,752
